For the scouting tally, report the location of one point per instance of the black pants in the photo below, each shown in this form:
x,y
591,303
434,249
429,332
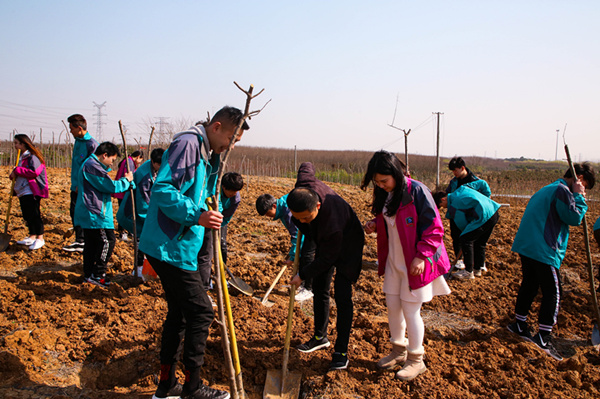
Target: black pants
x,y
321,286
30,208
99,246
473,244
205,257
455,234
120,228
78,230
538,275
189,315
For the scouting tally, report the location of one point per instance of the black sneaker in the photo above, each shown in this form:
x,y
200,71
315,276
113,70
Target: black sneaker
x,y
520,331
74,247
173,393
101,281
339,361
204,392
546,346
313,344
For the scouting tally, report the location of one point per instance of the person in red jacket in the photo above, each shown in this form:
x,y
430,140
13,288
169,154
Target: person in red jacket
x,y
411,255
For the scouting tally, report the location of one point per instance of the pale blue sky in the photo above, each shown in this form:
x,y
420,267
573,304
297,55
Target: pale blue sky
x,y
506,74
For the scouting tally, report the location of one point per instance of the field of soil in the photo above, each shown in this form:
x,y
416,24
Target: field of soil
x,y
60,338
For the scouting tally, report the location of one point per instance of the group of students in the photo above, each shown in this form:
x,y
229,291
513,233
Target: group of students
x,y
174,221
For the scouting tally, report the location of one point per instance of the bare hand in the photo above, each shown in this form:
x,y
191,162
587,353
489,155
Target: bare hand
x,y
128,176
370,226
578,187
210,219
417,266
296,281
289,262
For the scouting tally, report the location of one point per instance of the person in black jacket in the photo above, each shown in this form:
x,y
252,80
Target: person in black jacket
x,y
333,232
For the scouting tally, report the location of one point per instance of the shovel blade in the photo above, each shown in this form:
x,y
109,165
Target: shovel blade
x,y
241,286
4,241
595,335
273,384
69,233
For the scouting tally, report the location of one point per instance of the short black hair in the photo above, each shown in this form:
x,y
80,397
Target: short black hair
x,y
156,155
232,181
229,115
264,203
437,197
137,153
107,148
456,162
77,120
585,169
302,199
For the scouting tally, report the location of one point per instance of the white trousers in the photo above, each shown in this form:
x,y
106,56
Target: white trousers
x,y
405,316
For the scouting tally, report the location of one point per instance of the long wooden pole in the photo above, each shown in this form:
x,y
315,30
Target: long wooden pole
x,y
132,195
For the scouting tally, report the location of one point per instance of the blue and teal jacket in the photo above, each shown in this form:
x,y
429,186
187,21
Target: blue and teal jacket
x,y
93,209
544,231
472,181
597,224
82,149
143,178
229,206
469,208
187,176
284,214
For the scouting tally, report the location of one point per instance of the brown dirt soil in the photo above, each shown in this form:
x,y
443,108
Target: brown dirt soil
x,y
63,339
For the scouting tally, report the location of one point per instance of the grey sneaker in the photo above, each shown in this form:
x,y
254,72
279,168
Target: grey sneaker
x,y
546,346
172,393
204,392
313,344
464,275
477,273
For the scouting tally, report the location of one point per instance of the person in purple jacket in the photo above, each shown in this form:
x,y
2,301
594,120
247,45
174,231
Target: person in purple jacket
x,y
334,234
31,185
134,160
412,257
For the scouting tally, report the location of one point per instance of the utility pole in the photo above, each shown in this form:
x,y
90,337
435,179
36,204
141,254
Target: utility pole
x,y
99,122
556,153
437,151
162,122
406,133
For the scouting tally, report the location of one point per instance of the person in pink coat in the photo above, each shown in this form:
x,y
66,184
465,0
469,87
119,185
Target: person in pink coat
x,y
411,254
31,185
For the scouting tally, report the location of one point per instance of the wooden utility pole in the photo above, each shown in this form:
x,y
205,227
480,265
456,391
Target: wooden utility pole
x,y
437,151
406,133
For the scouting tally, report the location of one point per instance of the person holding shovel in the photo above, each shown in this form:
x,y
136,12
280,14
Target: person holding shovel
x,y
84,146
411,257
333,232
31,185
134,160
143,177
475,215
277,209
541,242
172,237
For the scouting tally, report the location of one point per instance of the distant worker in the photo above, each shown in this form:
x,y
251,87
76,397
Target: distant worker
x,y
135,159
462,176
84,146
277,209
541,242
475,215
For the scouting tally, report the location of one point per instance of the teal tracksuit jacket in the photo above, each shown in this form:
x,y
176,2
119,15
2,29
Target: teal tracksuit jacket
x,y
143,179
469,208
187,176
82,149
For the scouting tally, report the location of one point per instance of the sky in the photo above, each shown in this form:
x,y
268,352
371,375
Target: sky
x,y
505,75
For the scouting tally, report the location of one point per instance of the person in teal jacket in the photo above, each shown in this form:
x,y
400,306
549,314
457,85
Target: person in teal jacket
x,y
171,239
143,177
84,146
94,212
541,242
475,216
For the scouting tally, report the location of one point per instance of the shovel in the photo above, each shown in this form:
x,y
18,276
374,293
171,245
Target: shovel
x,y
265,301
281,383
586,238
5,237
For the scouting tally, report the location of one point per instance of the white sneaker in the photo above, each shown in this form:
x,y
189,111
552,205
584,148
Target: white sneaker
x,y
483,268
460,264
26,241
124,236
464,275
37,244
303,294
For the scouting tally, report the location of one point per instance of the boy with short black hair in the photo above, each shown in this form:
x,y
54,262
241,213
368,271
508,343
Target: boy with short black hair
x,y
277,209
83,147
541,242
94,213
331,229
143,177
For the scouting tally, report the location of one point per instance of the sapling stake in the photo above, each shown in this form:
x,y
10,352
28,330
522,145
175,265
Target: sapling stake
x,y
132,195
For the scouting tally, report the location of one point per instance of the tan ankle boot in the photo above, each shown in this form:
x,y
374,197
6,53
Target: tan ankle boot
x,y
412,368
397,356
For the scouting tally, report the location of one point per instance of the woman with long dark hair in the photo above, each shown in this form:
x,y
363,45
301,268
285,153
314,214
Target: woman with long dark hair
x,y
31,185
411,255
